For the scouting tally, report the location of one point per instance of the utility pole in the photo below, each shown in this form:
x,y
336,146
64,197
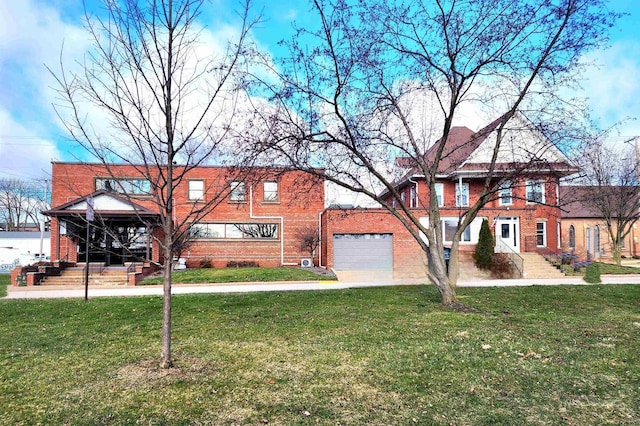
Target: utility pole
x,y
46,190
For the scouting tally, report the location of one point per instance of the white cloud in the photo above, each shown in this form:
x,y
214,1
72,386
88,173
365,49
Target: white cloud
x,y
22,153
613,87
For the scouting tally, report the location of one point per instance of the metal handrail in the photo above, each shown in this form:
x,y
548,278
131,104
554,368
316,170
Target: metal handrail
x,y
516,260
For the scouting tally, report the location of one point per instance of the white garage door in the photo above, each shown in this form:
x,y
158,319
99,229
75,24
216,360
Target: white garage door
x,y
363,252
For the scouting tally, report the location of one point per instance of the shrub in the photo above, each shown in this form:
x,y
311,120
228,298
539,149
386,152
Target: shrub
x,y
206,263
501,267
242,264
484,250
592,274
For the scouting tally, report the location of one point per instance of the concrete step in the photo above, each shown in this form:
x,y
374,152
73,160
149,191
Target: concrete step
x,y
536,266
75,276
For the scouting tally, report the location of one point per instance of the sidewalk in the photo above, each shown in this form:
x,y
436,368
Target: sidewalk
x,y
50,292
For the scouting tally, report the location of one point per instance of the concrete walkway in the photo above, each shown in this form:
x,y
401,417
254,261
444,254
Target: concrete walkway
x,y
45,292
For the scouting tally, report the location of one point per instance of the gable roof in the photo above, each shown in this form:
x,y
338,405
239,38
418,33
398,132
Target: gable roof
x,y
522,147
576,202
104,203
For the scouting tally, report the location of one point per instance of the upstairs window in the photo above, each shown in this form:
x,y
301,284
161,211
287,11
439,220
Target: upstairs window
x,y
196,190
439,187
237,191
124,186
270,192
535,191
505,192
462,195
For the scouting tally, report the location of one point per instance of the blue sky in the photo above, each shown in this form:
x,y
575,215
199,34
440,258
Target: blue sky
x,y
32,33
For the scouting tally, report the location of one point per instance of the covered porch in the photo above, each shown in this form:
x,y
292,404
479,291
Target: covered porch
x,y
115,231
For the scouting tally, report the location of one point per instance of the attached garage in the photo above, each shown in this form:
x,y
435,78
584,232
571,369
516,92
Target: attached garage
x,y
363,252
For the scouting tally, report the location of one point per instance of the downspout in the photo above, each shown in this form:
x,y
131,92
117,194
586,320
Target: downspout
x,y
320,237
280,218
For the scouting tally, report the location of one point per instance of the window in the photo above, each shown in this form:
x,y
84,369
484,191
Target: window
x,y
237,191
439,187
505,191
124,186
449,227
535,191
234,231
572,237
196,190
412,197
462,195
270,190
541,234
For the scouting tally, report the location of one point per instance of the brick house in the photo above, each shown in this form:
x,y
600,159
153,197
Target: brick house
x,y
523,212
259,214
584,230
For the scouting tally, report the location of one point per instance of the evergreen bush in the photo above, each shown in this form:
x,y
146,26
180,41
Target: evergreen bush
x,y
485,248
592,274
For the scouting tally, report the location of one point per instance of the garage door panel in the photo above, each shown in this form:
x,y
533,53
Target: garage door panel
x,y
363,252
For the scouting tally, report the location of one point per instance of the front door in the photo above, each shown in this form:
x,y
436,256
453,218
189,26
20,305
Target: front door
x,y
507,234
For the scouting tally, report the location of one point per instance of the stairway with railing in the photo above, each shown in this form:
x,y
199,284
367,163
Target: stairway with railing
x,y
514,258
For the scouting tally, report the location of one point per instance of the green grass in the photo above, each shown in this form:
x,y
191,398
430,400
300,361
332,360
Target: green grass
x,y
537,355
229,275
605,268
5,280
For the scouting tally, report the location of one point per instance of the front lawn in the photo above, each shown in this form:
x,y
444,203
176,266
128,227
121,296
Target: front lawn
x,y
605,268
5,280
230,275
537,355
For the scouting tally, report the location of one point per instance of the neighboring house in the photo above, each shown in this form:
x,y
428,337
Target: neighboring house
x,y
257,219
22,247
523,213
584,230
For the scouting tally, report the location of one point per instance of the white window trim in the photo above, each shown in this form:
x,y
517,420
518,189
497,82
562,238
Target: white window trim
x,y
234,185
190,190
505,186
459,195
265,192
439,188
544,233
533,183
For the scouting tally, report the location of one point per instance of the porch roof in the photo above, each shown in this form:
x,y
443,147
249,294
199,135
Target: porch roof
x,y
105,204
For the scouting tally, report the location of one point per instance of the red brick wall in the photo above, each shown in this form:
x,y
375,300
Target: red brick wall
x,y
408,258
300,202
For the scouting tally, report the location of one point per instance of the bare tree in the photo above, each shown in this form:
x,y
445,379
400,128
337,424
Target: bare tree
x,y
21,202
383,79
609,190
152,95
309,241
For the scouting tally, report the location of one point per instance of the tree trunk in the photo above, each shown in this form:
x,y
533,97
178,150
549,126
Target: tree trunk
x,y
165,361
437,271
616,252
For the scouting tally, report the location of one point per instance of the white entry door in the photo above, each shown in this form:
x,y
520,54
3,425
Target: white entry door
x,y
507,234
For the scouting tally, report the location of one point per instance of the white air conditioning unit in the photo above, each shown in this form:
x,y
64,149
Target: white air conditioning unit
x,y
306,263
